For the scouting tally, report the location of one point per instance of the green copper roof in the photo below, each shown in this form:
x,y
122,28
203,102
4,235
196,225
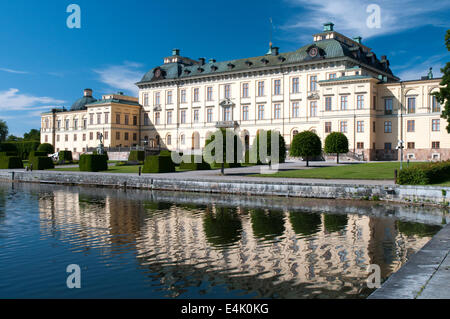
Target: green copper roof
x,y
327,49
81,103
113,101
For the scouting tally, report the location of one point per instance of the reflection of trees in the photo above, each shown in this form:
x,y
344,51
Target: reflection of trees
x,y
222,228
268,224
152,206
305,224
2,205
421,230
335,223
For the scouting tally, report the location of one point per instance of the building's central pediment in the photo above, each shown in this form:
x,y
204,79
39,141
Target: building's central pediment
x,y
227,103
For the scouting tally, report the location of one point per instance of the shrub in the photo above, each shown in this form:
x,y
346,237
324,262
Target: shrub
x,y
158,164
10,162
8,154
93,163
136,156
306,144
165,153
41,163
210,150
281,147
37,154
8,147
190,162
65,157
105,153
424,174
336,143
47,148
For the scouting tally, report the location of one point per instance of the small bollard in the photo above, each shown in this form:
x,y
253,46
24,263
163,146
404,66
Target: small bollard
x,y
140,170
31,167
395,176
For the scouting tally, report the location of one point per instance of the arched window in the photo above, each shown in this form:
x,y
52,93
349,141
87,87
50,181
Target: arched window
x,y
182,139
169,139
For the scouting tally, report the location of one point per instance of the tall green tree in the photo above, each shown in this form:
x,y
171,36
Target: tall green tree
x,y
212,152
306,144
443,96
3,130
268,157
336,143
33,135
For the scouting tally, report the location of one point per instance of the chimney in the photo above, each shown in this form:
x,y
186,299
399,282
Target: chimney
x,y
383,58
357,39
202,61
175,52
329,26
88,92
275,50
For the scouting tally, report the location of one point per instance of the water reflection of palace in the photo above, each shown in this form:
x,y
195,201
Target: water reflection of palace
x,y
319,251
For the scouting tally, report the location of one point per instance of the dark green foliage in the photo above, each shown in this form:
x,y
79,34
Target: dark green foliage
x,y
211,157
194,163
443,96
336,143
104,153
306,144
425,174
158,164
37,154
33,135
222,228
10,162
165,153
335,223
256,146
93,163
25,148
417,229
8,147
65,157
41,163
3,130
136,156
8,154
305,224
47,148
267,225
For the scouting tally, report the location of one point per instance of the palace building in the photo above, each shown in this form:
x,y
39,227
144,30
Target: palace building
x,y
335,83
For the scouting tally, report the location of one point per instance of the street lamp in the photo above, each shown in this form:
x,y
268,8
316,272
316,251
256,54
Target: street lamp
x,y
400,147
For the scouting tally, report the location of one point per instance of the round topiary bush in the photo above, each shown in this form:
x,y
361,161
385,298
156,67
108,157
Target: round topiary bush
x,y
336,143
306,144
47,148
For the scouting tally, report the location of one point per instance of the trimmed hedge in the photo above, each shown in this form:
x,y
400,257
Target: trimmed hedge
x,y
136,156
8,154
10,162
188,162
93,163
158,164
8,147
65,157
47,148
41,163
37,154
425,174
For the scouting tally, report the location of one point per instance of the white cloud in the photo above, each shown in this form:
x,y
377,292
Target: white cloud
x,y
418,67
122,77
13,71
350,16
12,100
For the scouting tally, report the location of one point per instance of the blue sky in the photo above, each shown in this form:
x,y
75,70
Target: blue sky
x,y
44,64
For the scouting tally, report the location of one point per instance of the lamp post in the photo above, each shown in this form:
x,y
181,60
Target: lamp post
x,y
400,147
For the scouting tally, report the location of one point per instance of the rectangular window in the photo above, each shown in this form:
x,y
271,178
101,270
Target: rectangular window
x,y
169,97
360,126
91,136
46,138
169,140
436,125
332,76
209,115
313,109
117,135
387,127
157,98
134,120
84,137
75,137
435,105
99,118
106,135
134,137
344,102
328,102
227,114
106,118
227,91
295,85
75,124
245,113
435,145
67,124
183,117
196,116
277,111
183,96
157,118
84,123
117,118
57,138
145,99
126,136
313,83
374,103
127,119
196,95
411,126
169,117
411,145
209,93
360,145
360,102
277,87
261,88
295,110
411,105
374,126
343,127
327,127
260,112
58,124
388,106
244,90
388,146
146,119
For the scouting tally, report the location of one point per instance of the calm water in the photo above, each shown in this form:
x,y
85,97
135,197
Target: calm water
x,y
140,244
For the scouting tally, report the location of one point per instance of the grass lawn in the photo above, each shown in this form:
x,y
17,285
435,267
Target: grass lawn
x,y
373,171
